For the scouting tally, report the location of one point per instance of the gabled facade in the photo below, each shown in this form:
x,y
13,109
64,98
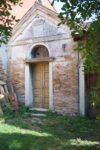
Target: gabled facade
x,y
42,63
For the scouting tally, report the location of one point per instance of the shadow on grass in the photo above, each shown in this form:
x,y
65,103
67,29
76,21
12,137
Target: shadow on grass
x,y
31,142
63,133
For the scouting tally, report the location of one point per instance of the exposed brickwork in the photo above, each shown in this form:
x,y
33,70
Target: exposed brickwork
x,y
66,86
16,75
64,92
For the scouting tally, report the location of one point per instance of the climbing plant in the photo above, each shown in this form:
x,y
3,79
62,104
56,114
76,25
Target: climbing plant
x,y
83,18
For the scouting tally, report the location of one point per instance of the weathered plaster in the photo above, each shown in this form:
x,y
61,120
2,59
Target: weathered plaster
x,y
63,70
81,90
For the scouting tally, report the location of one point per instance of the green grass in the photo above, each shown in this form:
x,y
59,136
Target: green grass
x,y
54,132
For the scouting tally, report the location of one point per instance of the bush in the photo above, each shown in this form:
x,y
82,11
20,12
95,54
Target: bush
x,y
95,96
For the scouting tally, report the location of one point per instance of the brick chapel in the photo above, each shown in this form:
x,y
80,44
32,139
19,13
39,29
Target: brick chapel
x,y
41,63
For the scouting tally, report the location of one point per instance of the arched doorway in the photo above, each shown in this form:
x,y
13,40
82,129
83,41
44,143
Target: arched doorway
x,y
40,76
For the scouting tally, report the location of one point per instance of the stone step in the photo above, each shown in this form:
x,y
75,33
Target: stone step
x,y
38,115
38,109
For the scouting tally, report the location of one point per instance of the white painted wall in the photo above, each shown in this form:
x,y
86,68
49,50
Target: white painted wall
x,y
81,90
3,56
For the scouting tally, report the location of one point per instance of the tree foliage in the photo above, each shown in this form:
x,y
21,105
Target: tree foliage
x,y
7,19
77,14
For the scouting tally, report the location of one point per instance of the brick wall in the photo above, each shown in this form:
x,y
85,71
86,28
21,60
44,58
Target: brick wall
x,y
16,76
66,86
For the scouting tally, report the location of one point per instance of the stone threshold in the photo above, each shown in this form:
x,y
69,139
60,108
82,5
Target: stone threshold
x,y
39,109
38,115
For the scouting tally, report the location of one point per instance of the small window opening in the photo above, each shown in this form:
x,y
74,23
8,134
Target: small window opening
x,y
39,52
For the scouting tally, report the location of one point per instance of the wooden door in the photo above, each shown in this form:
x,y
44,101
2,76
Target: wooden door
x,y
41,85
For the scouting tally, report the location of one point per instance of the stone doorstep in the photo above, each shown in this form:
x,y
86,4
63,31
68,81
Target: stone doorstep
x,y
38,115
39,109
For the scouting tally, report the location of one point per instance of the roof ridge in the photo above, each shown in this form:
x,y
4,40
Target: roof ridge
x,y
34,8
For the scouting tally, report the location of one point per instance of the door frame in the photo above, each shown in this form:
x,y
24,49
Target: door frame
x,y
40,74
29,86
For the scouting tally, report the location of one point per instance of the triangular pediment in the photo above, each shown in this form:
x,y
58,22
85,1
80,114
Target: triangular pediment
x,y
38,22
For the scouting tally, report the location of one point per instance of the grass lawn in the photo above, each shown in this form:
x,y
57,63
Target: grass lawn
x,y
54,132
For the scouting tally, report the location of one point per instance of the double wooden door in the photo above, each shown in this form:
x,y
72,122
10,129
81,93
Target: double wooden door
x,y
41,85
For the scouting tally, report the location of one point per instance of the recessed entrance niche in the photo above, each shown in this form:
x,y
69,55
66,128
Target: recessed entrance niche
x,y
40,77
